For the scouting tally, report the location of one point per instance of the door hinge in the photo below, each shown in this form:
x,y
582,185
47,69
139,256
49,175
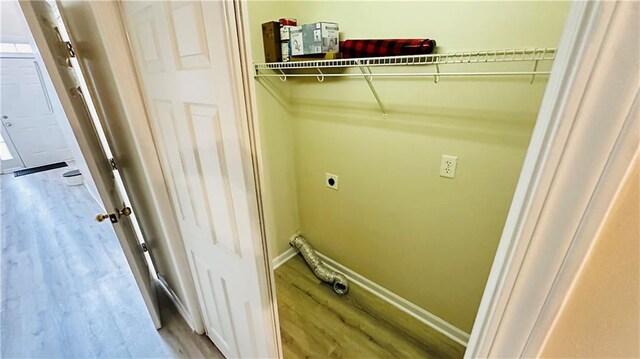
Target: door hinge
x,y
72,52
144,247
114,166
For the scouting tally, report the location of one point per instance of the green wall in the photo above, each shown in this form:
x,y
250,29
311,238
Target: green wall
x,y
394,220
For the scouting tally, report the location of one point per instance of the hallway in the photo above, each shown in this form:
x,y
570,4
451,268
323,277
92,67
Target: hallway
x,y
67,290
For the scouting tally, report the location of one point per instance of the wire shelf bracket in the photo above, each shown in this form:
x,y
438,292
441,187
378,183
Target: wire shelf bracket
x,y
366,74
285,70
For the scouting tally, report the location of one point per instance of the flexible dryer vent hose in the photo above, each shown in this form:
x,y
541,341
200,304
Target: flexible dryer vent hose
x,y
339,281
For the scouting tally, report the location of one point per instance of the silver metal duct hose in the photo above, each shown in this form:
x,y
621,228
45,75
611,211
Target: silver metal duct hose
x,y
339,281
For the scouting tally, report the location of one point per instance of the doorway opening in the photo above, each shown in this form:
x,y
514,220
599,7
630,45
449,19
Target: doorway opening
x,y
31,133
427,149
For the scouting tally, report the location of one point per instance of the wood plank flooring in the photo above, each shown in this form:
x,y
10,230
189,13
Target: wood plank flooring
x,y
66,288
315,322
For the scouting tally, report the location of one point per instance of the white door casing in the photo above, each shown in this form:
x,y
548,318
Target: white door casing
x,y
186,68
43,27
27,114
584,140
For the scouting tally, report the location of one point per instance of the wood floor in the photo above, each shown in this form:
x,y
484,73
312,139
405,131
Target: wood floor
x,y
316,322
67,291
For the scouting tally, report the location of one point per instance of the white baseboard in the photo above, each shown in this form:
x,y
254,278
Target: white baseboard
x,y
162,283
286,255
282,258
397,301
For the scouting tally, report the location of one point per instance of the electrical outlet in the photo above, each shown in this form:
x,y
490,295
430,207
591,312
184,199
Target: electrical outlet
x,y
448,166
331,181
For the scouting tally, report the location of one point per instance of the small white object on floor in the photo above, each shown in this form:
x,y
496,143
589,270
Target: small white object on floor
x,y
73,177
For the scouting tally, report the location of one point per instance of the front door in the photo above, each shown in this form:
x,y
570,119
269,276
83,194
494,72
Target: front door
x,y
27,114
55,54
185,64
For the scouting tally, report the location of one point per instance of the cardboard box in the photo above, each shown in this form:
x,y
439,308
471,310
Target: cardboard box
x,y
271,41
284,39
284,32
316,38
285,51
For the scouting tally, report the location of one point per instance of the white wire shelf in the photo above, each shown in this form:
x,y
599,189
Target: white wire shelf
x,y
285,70
512,55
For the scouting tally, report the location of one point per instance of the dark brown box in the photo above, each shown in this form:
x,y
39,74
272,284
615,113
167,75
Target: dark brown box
x,y
271,41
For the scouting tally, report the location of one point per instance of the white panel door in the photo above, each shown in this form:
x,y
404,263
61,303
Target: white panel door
x,y
27,114
183,60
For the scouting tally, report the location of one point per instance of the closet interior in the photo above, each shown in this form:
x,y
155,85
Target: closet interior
x,y
398,170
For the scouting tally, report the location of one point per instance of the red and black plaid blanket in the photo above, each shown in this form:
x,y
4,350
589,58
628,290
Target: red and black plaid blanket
x,y
390,47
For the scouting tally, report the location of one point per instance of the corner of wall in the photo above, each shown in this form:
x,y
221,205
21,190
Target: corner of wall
x,y
277,152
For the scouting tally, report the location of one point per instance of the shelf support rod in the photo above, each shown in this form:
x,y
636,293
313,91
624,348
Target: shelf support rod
x,y
535,68
369,79
321,77
436,78
283,78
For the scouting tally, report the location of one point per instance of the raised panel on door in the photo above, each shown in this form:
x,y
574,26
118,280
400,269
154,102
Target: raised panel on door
x,y
188,37
146,39
203,123
214,300
163,127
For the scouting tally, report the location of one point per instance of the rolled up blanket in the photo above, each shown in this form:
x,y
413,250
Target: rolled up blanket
x,y
386,47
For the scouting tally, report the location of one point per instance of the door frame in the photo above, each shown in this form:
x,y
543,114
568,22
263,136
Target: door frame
x,y
573,167
558,167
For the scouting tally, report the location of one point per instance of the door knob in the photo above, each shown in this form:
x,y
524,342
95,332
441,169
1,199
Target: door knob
x,y
9,124
102,217
113,217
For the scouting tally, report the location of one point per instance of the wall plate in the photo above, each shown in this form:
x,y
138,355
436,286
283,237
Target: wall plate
x,y
448,166
331,181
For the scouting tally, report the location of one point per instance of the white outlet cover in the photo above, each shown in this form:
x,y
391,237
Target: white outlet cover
x,y
331,181
448,166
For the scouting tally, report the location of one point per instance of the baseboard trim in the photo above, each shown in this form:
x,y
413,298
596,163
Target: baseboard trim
x,y
282,258
162,283
430,319
286,255
397,301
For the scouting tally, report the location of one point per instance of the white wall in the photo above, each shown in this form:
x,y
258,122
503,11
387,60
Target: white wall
x,y
14,28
